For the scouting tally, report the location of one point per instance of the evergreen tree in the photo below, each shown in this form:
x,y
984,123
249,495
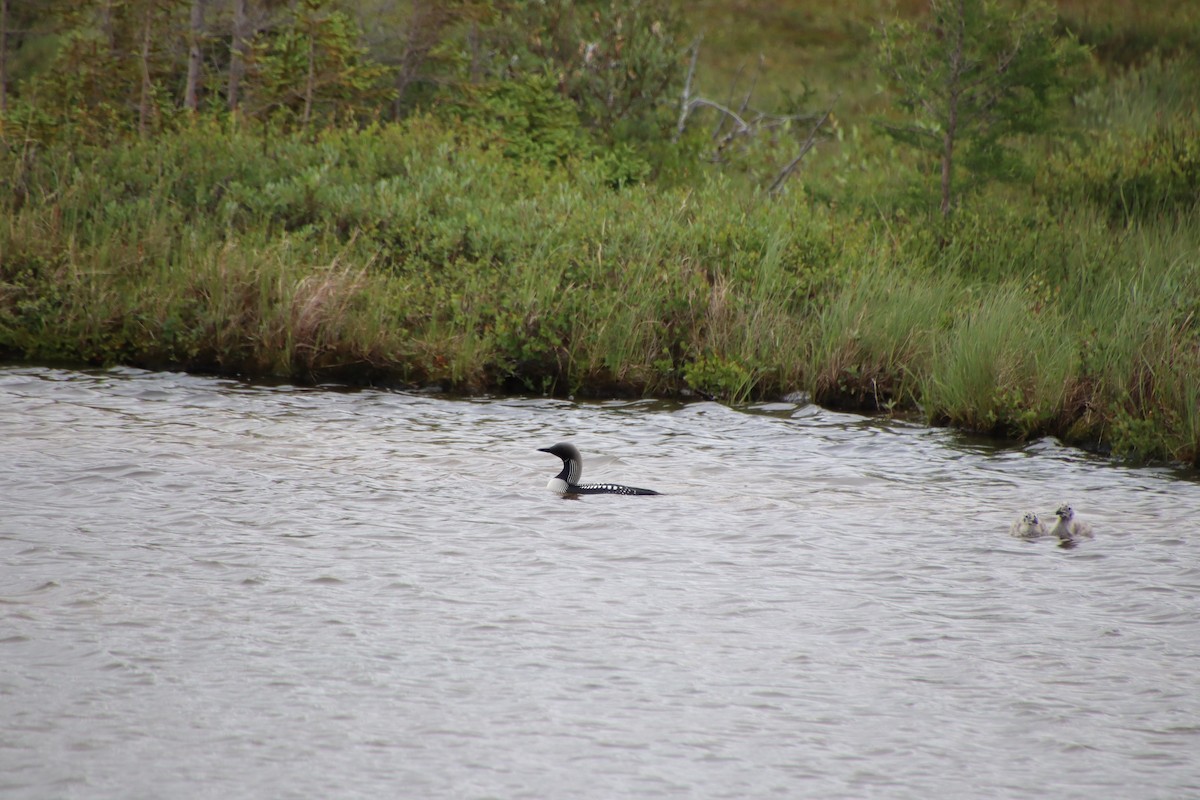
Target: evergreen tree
x,y
315,68
971,77
620,63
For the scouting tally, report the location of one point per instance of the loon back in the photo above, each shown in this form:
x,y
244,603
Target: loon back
x,y
567,481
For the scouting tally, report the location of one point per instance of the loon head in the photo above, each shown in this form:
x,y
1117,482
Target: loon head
x,y
1065,513
572,469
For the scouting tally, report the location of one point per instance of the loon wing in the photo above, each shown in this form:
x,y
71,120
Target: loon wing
x,y
606,488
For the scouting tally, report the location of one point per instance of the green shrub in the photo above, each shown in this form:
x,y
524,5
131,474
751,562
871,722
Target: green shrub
x,y
529,119
1139,178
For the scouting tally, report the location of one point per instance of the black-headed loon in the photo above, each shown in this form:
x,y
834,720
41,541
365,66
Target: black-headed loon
x,y
567,481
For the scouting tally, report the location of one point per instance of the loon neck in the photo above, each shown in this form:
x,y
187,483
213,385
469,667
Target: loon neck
x,y
572,471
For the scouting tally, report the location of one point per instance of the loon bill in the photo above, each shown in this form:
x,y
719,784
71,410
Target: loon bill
x,y
567,481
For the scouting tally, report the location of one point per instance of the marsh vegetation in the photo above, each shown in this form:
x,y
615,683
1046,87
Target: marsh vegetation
x,y
489,200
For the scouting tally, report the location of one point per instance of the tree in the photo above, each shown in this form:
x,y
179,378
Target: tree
x,y
110,74
195,35
620,63
427,22
3,56
315,67
237,53
973,76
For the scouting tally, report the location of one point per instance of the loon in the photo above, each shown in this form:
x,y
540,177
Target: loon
x,y
1069,528
1028,527
567,481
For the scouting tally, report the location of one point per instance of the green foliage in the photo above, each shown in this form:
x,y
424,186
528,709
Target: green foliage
x,y
713,376
971,79
996,240
528,119
84,96
1006,367
314,71
518,239
619,63
875,338
1135,177
495,271
1140,99
1129,33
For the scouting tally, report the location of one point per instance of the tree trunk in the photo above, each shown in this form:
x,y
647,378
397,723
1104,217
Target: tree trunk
x,y
948,158
955,78
237,55
147,86
310,81
426,23
191,99
3,56
106,24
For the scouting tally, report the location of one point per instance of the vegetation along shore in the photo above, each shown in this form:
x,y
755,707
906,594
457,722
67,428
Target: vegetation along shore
x,y
980,212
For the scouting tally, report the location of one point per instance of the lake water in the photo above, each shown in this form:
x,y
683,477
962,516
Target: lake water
x,y
212,589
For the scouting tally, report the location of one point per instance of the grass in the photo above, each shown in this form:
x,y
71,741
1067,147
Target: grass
x,y
1006,368
874,341
420,253
411,255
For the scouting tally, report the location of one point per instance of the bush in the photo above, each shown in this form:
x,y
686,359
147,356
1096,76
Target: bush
x,y
1139,178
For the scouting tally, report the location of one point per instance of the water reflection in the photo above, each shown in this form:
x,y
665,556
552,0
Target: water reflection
x,y
215,588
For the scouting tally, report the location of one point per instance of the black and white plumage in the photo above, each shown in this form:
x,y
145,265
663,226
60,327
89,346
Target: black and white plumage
x,y
1070,527
567,481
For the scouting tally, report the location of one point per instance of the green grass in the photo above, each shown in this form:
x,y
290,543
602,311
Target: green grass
x,y
413,254
1006,367
426,253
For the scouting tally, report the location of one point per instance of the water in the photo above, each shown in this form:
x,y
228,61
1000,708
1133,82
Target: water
x,y
210,589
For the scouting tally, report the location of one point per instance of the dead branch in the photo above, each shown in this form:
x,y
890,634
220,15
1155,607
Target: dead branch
x,y
746,121
685,106
808,145
753,84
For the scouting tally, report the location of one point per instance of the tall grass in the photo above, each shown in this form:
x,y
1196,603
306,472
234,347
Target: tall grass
x,y
407,250
874,341
417,253
1005,367
1141,340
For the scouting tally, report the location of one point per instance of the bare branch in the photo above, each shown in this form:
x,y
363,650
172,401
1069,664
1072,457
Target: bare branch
x,y
732,86
808,145
753,84
728,112
685,106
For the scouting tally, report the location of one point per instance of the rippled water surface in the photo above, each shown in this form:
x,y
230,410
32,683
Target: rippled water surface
x,y
210,590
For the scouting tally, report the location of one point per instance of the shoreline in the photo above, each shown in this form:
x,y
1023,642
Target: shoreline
x,y
685,395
